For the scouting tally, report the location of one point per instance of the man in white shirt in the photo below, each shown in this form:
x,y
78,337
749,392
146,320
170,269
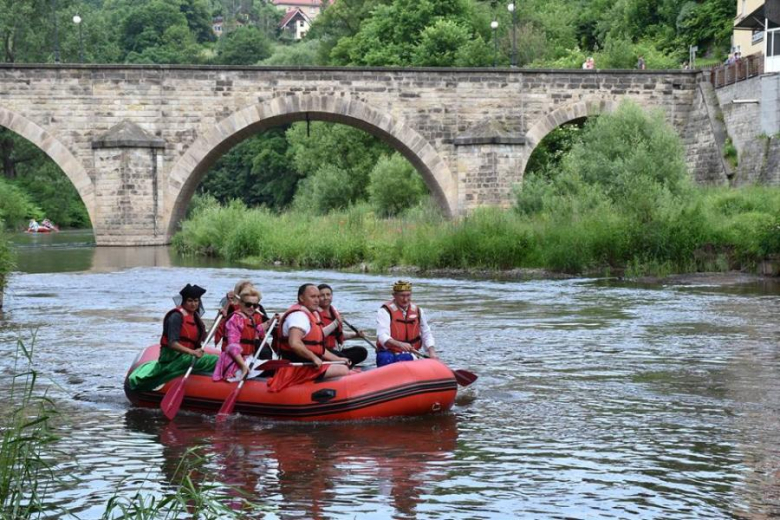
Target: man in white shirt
x,y
302,337
401,328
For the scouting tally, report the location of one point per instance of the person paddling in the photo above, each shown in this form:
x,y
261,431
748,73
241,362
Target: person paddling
x,y
401,328
302,337
243,333
232,305
335,340
183,333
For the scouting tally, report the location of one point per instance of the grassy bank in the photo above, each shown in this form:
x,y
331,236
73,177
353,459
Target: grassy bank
x,y
715,229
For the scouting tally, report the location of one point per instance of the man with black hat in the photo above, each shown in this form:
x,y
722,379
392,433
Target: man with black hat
x,y
401,328
183,333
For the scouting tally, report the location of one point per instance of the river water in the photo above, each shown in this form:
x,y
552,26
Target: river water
x,y
595,399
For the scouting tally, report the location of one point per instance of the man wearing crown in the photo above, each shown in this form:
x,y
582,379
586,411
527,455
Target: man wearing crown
x,y
401,328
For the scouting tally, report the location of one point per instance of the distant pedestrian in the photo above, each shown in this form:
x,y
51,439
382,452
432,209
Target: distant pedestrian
x,y
640,63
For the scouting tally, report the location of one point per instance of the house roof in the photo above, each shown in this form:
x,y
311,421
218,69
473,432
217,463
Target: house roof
x,y
300,3
293,14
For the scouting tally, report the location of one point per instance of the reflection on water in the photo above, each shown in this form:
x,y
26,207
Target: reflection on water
x,y
75,251
595,399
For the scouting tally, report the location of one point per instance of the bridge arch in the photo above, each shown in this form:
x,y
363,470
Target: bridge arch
x,y
189,169
57,152
565,114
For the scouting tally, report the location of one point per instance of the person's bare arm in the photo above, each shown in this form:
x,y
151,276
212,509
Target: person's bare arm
x,y
299,348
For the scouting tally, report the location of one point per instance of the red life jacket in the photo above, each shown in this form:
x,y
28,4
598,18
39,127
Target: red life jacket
x,y
192,329
248,334
314,339
328,316
219,334
406,329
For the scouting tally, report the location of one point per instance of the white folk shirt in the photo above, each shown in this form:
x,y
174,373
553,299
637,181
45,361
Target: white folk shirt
x,y
300,320
383,327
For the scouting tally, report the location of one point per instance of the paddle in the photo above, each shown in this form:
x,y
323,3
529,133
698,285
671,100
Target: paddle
x,y
172,401
463,377
348,324
230,402
273,364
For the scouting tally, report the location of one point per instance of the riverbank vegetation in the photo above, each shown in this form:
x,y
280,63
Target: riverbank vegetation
x,y
33,186
28,467
620,200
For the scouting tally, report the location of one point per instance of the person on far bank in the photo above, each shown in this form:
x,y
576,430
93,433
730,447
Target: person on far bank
x,y
640,63
302,337
401,328
183,333
335,340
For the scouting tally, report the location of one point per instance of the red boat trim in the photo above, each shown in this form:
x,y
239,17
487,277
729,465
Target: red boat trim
x,y
317,409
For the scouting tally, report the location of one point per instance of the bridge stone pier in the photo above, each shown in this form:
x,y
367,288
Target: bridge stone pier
x,y
136,140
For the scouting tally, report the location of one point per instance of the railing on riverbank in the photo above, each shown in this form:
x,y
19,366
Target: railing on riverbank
x,y
740,70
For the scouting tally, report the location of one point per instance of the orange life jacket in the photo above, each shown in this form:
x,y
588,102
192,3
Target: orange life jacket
x,y
404,328
328,316
248,334
192,329
314,339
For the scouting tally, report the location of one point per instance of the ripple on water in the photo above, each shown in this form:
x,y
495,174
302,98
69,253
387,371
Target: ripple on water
x,y
594,400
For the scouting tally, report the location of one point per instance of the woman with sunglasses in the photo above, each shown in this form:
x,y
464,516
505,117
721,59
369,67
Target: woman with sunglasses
x,y
244,331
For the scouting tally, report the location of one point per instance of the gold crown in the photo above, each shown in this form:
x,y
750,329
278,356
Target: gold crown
x,y
402,285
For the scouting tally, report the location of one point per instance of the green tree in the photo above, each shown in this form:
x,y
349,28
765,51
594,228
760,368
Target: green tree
x,y
440,44
258,171
243,46
393,33
395,185
304,53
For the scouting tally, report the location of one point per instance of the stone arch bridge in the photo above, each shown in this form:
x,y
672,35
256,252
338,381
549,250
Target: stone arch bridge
x,y
136,140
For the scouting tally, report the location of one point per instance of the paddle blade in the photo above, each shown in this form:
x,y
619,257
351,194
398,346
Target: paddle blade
x,y
464,377
229,404
172,401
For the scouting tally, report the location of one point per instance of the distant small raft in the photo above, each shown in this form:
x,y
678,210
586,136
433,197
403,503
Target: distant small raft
x,y
409,388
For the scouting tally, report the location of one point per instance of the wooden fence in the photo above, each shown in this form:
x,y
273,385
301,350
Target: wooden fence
x,y
740,70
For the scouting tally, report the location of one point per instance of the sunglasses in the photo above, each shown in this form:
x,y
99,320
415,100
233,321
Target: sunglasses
x,y
252,305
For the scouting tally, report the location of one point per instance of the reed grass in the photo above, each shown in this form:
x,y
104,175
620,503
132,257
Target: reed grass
x,y
27,441
191,497
701,229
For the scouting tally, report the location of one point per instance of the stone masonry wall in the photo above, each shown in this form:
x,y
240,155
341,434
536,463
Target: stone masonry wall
x,y
743,106
424,111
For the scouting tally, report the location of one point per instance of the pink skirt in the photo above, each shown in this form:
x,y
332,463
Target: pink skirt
x,y
226,365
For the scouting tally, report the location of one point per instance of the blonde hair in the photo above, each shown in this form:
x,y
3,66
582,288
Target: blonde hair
x,y
241,285
250,291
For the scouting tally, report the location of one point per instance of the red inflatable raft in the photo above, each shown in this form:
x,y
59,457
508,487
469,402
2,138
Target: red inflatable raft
x,y
401,389
42,230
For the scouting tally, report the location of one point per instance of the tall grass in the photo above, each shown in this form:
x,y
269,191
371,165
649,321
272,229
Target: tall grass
x,y
191,497
27,438
710,229
6,260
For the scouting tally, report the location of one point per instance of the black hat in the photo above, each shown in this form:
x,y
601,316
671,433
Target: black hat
x,y
192,291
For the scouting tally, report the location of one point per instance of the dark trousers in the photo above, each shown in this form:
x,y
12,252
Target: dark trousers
x,y
355,354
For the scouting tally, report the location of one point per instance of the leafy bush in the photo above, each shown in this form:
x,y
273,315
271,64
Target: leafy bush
x,y
6,258
17,206
395,185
